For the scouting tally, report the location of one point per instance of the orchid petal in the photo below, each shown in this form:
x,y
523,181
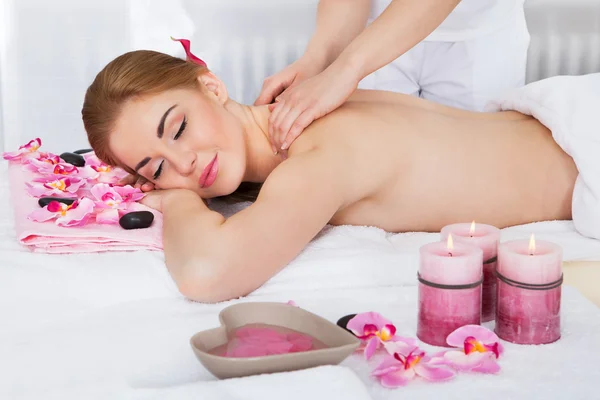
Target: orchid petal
x,y
190,57
489,366
387,332
130,194
433,374
438,358
87,172
357,323
78,215
41,215
397,378
110,216
465,362
398,347
371,347
409,341
388,364
482,334
495,348
75,185
369,330
36,189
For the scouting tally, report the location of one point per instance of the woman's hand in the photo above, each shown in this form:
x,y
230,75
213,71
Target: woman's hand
x,y
314,98
157,199
137,181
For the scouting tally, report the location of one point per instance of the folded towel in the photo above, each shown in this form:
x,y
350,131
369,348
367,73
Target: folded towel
x,y
47,237
568,106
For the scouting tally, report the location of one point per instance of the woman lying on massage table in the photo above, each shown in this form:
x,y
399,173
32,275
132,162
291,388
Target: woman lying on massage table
x,y
383,159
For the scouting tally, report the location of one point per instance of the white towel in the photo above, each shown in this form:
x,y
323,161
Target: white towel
x,y
326,382
570,107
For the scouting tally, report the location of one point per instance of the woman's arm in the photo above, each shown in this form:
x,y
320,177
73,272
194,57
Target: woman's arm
x,y
214,259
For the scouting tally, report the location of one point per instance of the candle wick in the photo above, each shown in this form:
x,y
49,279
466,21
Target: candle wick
x,y
450,254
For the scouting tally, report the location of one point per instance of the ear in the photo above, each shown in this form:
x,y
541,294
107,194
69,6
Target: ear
x,y
214,86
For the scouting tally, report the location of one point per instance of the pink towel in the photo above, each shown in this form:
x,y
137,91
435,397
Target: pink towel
x,y
47,237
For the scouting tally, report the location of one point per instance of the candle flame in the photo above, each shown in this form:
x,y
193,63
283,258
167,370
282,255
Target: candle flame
x,y
532,244
472,230
450,244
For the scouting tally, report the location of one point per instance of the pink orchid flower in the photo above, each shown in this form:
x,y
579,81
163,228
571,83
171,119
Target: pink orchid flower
x,y
44,163
398,370
25,152
50,186
129,194
189,56
479,348
101,172
375,330
76,214
111,203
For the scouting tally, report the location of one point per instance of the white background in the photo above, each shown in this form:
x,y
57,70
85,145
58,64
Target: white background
x,y
51,50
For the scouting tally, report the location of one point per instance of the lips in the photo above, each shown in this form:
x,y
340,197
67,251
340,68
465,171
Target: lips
x,y
209,174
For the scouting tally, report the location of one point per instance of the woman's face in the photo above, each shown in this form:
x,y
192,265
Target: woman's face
x,y
182,139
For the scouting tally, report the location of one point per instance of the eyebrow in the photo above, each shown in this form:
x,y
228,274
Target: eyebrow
x,y
159,132
161,124
141,164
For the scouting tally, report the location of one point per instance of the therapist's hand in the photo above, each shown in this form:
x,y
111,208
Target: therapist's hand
x,y
302,69
314,98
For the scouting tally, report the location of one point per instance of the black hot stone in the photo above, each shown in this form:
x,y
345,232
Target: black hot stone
x,y
136,220
74,159
82,151
44,201
343,322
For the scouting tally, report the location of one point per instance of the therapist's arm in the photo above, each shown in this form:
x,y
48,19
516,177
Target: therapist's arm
x,y
338,23
402,25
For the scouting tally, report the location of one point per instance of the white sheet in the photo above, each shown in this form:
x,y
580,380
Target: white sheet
x,y
114,326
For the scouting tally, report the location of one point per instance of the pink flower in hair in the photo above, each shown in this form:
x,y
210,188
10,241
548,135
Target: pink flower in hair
x,y
189,55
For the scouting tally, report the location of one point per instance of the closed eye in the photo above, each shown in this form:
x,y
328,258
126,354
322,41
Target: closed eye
x,y
181,129
158,171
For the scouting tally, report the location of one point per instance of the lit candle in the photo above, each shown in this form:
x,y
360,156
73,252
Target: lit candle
x,y
450,277
486,237
529,291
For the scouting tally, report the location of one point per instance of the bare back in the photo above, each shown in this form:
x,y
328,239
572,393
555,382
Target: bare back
x,y
418,166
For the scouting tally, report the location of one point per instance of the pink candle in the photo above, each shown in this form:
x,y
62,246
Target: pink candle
x,y
528,291
486,237
450,278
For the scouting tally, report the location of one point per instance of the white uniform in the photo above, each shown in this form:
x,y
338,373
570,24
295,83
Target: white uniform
x,y
478,52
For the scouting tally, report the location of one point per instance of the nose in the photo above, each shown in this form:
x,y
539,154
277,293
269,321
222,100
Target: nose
x,y
185,162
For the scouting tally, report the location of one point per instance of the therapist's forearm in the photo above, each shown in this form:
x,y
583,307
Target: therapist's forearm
x,y
338,23
402,25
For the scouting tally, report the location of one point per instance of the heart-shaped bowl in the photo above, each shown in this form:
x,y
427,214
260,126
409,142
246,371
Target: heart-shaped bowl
x,y
339,342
